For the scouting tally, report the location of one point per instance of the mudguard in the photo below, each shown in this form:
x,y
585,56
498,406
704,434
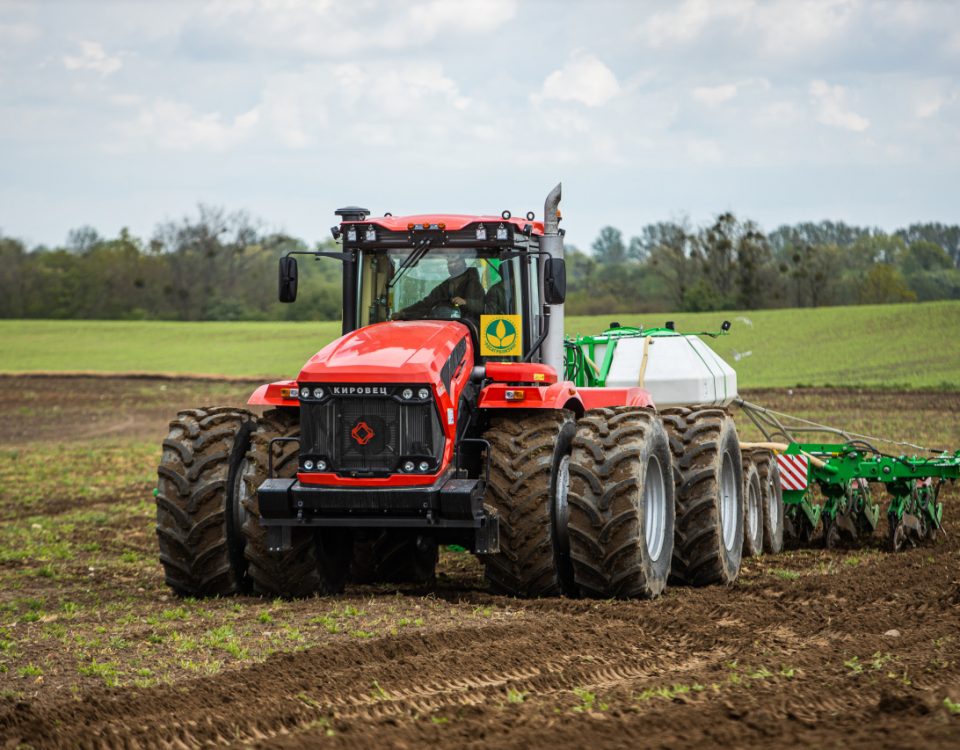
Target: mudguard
x,y
275,394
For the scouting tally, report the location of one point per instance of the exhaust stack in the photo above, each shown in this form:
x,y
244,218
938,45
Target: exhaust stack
x,y
552,242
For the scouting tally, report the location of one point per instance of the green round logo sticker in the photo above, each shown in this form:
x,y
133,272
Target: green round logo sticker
x,y
500,336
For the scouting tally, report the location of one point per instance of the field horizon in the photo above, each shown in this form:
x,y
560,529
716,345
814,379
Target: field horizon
x,y
908,346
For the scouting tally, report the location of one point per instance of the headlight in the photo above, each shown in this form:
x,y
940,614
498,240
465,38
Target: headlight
x,y
318,392
407,393
304,393
409,466
321,465
424,394
424,466
308,465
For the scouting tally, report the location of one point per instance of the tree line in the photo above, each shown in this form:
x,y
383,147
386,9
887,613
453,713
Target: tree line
x,y
732,264
219,265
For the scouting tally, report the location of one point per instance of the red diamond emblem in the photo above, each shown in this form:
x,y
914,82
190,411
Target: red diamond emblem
x,y
362,433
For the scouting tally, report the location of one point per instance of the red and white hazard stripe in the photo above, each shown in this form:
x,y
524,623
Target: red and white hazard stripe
x,y
793,471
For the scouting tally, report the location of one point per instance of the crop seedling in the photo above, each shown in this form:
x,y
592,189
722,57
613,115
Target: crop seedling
x,y
588,701
31,670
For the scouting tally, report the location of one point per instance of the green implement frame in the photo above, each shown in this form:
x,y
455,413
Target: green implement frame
x,y
843,473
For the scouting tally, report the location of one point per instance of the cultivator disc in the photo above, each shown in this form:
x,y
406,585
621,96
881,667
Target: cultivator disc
x,y
850,517
914,514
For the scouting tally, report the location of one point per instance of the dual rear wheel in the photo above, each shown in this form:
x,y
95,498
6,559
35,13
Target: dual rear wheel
x,y
616,504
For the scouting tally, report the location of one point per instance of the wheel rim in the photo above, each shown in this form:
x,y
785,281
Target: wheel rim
x,y
753,512
560,498
654,509
728,502
240,495
773,507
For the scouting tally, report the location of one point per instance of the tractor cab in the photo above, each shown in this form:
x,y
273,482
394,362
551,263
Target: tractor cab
x,y
488,273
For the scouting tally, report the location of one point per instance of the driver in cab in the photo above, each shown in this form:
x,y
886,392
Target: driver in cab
x,y
462,292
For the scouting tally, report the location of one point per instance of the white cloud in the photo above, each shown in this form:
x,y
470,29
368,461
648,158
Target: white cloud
x,y
777,27
327,29
793,27
928,107
93,57
831,108
382,102
175,126
713,96
684,23
583,79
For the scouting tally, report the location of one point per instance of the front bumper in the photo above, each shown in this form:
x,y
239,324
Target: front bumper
x,y
452,510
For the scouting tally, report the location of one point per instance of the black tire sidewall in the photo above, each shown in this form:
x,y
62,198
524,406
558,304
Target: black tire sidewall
x,y
235,538
558,517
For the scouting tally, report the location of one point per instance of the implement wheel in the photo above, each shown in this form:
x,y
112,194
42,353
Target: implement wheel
x,y
391,556
771,500
529,477
709,491
753,509
621,504
318,559
201,549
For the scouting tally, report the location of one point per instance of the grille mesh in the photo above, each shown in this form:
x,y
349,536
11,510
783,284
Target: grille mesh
x,y
370,434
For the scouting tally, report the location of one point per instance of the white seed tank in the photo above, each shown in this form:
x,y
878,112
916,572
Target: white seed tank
x,y
680,369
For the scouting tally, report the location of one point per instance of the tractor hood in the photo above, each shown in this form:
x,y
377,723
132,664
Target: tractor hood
x,y
395,352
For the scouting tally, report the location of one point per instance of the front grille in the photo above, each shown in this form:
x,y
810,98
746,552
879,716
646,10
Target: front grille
x,y
370,431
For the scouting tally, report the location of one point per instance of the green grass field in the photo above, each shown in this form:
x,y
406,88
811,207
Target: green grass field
x,y
911,346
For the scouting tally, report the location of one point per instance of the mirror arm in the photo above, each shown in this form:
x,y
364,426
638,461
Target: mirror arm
x,y
320,254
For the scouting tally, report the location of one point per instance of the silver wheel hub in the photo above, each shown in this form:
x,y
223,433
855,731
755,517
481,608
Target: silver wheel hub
x,y
240,495
560,498
773,507
654,502
753,512
728,502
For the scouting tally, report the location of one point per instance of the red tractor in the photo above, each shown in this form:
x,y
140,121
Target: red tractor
x,y
440,416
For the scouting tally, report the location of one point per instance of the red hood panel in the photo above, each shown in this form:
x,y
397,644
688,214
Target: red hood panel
x,y
395,352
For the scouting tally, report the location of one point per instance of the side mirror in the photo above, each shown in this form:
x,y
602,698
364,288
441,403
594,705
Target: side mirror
x,y
555,281
288,278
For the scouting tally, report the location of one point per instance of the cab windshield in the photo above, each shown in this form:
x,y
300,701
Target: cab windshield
x,y
443,283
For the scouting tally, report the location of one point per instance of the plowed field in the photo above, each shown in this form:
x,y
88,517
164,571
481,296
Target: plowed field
x,y
859,648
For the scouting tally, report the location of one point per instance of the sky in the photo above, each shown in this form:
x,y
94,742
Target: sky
x,y
129,114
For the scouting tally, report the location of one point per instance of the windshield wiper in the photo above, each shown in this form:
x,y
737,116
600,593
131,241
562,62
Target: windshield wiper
x,y
409,262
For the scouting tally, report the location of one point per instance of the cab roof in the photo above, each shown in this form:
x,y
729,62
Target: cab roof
x,y
451,222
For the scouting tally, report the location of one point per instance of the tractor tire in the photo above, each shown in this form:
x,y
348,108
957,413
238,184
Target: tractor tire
x,y
752,509
529,476
201,547
771,500
708,474
318,559
391,556
621,504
